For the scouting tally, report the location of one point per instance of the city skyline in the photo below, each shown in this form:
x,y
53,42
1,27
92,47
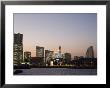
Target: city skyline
x,y
74,32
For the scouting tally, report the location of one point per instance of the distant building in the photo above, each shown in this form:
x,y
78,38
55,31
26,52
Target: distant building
x,y
36,61
27,56
67,57
18,48
76,57
59,49
39,51
58,57
58,54
90,52
81,57
48,56
85,63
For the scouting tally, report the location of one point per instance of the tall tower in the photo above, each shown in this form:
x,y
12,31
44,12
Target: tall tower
x,y
58,55
40,54
18,48
39,51
90,52
48,56
59,49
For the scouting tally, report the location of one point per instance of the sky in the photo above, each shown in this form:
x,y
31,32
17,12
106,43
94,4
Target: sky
x,y
74,32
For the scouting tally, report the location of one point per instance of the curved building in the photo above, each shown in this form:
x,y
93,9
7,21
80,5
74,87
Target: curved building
x,y
90,52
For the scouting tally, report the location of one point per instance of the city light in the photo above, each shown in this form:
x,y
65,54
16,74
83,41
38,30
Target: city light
x,y
48,58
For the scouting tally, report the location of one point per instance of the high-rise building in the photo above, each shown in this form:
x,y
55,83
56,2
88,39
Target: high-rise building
x,y
58,57
48,56
27,56
39,51
67,57
40,54
59,49
90,52
58,54
18,48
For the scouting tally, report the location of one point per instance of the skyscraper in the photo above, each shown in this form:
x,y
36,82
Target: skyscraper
x,y
27,56
48,56
59,49
40,54
90,52
18,48
39,51
67,57
58,56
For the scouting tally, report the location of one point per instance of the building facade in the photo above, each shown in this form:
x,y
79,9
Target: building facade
x,y
58,57
48,56
36,61
27,57
39,51
67,58
40,54
18,48
90,52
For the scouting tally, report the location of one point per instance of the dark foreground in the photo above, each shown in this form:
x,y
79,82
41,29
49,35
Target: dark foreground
x,y
56,71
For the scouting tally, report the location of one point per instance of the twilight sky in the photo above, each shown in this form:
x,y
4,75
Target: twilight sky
x,y
75,32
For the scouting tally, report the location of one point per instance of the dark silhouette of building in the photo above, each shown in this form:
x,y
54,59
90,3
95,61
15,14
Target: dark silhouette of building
x,y
90,52
27,57
37,61
67,58
59,49
76,57
18,48
82,62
